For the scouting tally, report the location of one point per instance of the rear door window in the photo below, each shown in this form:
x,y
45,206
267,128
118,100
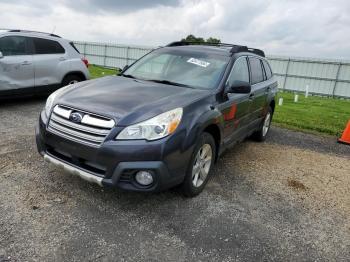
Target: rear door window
x,y
267,69
45,46
257,74
14,45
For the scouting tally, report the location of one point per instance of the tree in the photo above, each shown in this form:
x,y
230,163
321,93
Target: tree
x,y
193,39
213,40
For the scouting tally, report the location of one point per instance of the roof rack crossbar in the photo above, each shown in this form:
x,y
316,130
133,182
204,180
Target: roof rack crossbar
x,y
234,48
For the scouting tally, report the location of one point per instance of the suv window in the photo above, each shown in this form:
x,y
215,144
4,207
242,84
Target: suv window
x,y
200,70
256,70
239,71
13,45
45,46
267,69
154,67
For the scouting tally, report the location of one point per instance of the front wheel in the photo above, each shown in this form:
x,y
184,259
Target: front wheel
x,y
200,166
261,134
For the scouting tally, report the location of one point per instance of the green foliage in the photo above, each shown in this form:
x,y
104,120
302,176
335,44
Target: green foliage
x,y
192,38
213,40
313,114
99,71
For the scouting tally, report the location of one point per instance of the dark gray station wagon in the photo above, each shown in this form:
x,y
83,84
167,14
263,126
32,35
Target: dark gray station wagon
x,y
163,121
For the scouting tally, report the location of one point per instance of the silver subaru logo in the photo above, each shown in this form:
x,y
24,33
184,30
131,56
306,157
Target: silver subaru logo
x,y
76,117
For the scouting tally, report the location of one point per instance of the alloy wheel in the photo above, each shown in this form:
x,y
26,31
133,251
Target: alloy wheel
x,y
201,165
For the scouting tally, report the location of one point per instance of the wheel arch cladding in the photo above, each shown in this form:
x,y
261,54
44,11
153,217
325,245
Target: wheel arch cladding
x,y
214,131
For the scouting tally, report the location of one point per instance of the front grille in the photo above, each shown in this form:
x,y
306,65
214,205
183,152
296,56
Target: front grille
x,y
90,129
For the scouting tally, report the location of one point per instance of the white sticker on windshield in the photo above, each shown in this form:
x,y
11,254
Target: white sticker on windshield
x,y
198,62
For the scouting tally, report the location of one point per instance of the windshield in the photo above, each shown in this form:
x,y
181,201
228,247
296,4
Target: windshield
x,y
196,70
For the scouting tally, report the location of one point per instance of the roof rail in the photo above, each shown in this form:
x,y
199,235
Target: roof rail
x,y
234,48
30,31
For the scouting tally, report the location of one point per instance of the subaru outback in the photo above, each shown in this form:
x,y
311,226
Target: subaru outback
x,y
34,63
163,121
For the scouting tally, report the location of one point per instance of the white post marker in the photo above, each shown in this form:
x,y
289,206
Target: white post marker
x,y
280,101
296,96
306,91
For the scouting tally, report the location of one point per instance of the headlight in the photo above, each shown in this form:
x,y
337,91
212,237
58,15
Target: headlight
x,y
154,128
50,100
49,103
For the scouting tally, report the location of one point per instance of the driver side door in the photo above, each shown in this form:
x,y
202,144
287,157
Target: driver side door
x,y
16,66
236,107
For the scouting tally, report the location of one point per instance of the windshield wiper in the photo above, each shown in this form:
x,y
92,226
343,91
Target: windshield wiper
x,y
167,82
129,76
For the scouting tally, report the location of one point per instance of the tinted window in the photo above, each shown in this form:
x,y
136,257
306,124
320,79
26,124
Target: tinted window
x,y
239,71
13,45
267,69
256,70
44,46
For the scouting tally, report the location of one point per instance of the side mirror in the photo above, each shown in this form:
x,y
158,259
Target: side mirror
x,y
240,87
1,55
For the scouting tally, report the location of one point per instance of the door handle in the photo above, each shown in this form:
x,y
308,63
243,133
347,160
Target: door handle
x,y
26,63
62,59
251,96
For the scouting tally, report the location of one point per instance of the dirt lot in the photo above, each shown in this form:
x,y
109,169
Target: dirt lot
x,y
287,199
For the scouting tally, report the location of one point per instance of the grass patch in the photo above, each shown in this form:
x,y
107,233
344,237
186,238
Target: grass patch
x,y
99,71
313,114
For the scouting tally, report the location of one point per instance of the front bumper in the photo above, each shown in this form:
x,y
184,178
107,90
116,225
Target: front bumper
x,y
115,163
73,170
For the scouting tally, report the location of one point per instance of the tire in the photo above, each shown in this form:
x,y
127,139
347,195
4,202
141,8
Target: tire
x,y
71,79
195,181
262,133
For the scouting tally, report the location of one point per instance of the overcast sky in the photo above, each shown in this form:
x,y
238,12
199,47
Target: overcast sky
x,y
312,28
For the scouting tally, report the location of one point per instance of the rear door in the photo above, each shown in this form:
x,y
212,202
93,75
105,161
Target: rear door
x,y
47,56
259,89
235,108
16,66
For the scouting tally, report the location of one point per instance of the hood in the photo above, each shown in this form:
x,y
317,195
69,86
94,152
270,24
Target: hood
x,y
128,99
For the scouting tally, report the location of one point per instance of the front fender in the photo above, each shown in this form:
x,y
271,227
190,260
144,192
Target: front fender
x,y
201,118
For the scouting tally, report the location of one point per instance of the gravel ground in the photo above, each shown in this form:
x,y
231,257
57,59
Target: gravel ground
x,y
287,199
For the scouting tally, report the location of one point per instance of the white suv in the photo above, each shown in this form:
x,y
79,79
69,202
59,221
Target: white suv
x,y
34,62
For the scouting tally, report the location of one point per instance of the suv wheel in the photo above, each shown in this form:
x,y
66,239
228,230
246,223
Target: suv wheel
x,y
71,79
200,166
261,134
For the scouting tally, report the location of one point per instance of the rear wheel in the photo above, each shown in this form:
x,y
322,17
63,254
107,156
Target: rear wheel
x,y
71,79
200,166
261,134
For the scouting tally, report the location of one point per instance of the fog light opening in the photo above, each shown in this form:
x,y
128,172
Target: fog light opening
x,y
144,178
